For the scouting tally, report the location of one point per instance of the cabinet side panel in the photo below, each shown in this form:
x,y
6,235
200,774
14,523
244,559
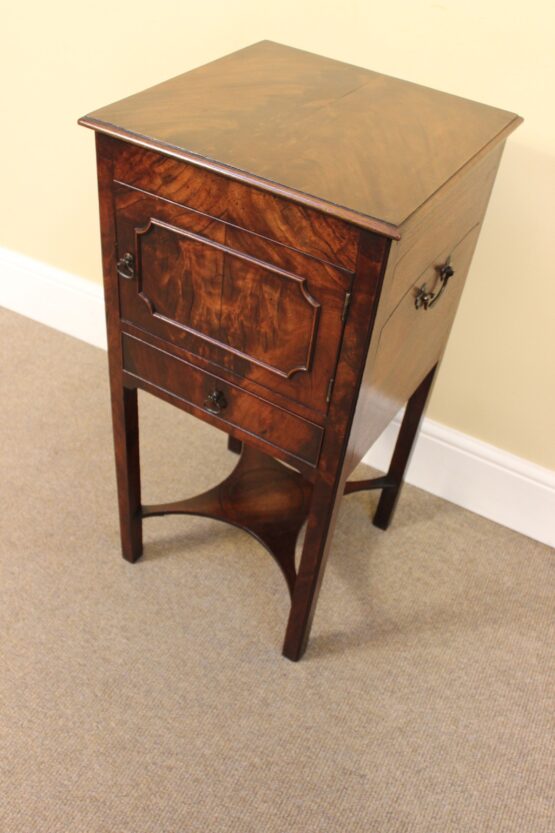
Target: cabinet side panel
x,y
408,342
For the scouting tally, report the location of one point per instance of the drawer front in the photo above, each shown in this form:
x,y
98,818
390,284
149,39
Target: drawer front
x,y
413,339
252,307
219,402
279,219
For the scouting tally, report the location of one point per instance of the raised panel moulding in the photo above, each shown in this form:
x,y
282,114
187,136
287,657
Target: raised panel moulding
x,y
223,336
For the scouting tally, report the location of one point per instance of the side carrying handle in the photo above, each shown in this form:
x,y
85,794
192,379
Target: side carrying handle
x,y
215,402
427,299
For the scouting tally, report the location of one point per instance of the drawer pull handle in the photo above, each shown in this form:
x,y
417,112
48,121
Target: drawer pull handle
x,y
126,266
427,299
215,402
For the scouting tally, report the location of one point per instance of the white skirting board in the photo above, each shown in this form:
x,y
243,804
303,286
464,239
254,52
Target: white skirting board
x,y
470,473
58,299
484,479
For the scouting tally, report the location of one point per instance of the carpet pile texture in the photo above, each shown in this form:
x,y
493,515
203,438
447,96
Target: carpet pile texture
x,y
153,698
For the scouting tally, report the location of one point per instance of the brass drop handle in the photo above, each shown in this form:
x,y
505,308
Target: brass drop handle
x,y
126,266
427,299
215,402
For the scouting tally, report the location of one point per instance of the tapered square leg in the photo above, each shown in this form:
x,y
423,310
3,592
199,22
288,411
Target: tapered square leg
x,y
403,450
125,420
319,533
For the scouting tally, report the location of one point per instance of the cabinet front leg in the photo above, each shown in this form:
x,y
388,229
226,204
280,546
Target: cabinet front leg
x,y
403,450
319,532
125,418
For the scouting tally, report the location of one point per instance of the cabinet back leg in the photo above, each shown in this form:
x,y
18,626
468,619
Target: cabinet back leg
x,y
403,450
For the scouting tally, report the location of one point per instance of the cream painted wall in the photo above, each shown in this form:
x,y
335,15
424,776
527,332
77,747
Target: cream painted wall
x,y
62,59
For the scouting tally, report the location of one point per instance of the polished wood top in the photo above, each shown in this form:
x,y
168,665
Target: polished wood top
x,y
351,142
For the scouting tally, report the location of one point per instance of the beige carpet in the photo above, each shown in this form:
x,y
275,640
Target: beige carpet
x,y
153,698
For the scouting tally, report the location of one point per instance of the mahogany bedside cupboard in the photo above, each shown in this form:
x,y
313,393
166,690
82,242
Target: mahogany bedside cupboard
x,y
285,240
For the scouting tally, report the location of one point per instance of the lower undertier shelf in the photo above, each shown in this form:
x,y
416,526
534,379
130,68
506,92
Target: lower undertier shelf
x,y
266,499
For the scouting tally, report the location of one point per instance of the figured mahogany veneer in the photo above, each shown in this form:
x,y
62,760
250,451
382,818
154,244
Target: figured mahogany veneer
x,y
285,241
200,284
245,415
214,195
261,496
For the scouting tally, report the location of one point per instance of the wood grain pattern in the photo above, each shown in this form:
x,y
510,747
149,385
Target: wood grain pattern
x,y
440,224
230,200
332,473
125,417
412,340
134,204
190,388
276,301
408,346
260,496
354,142
429,228
193,290
216,292
212,368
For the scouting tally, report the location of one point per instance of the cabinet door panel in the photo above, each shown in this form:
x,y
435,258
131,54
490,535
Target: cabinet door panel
x,y
277,327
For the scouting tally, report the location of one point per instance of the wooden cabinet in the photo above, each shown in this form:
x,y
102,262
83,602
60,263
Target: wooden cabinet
x,y
285,241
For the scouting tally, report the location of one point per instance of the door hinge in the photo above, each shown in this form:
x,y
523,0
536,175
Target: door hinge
x,y
346,306
330,388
